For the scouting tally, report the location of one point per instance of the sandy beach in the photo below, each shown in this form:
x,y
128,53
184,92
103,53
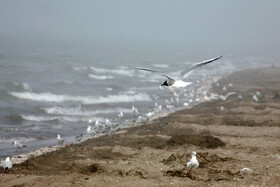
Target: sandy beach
x,y
245,135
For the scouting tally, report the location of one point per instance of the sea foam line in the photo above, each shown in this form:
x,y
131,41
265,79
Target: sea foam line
x,y
115,71
79,112
100,77
50,97
52,118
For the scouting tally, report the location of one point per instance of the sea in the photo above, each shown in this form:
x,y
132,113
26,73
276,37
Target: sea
x,y
46,94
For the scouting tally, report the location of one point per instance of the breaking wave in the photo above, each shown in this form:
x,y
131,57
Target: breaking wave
x,y
50,97
79,112
100,77
121,71
53,118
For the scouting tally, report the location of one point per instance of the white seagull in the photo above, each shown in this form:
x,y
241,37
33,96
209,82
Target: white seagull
x,y
60,141
120,115
135,111
193,162
18,145
7,164
90,130
180,83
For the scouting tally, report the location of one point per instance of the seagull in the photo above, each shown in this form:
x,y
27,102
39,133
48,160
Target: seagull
x,y
224,89
180,83
7,164
150,114
135,111
258,93
18,145
240,97
60,141
120,115
90,130
107,121
255,98
222,109
99,128
193,162
225,97
79,137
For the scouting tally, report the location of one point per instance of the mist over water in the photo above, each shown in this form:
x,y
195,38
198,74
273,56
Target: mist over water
x,y
63,64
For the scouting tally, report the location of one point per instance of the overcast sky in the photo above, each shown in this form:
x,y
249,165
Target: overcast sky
x,y
238,24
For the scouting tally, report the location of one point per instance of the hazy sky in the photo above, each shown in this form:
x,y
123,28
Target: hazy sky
x,y
238,24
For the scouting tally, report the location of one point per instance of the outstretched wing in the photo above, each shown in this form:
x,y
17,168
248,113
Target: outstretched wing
x,y
186,72
155,71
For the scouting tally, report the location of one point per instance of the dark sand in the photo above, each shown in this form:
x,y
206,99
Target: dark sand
x,y
245,135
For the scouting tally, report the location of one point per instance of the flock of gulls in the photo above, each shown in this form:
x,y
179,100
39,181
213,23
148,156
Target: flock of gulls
x,y
95,127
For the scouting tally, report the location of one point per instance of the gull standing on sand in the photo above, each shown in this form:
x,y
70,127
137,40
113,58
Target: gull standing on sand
x,y
79,137
120,115
179,83
255,98
18,145
193,162
60,141
107,121
90,130
240,97
135,111
7,164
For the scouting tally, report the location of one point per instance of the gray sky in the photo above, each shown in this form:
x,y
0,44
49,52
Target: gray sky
x,y
218,24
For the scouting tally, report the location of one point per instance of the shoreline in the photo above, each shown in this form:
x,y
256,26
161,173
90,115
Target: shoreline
x,y
155,152
22,157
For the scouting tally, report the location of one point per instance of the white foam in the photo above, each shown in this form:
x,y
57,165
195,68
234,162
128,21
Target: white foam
x,y
38,118
100,77
51,118
121,71
78,112
50,97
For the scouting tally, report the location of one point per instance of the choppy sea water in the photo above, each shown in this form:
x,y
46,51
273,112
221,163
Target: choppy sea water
x,y
45,95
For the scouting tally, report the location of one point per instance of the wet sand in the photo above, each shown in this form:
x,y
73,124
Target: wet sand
x,y
245,135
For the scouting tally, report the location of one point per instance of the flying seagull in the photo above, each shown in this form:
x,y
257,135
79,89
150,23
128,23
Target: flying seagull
x,y
180,83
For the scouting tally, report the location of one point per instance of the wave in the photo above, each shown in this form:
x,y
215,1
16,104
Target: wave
x,y
100,77
83,68
14,118
50,97
38,118
122,71
53,118
78,112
